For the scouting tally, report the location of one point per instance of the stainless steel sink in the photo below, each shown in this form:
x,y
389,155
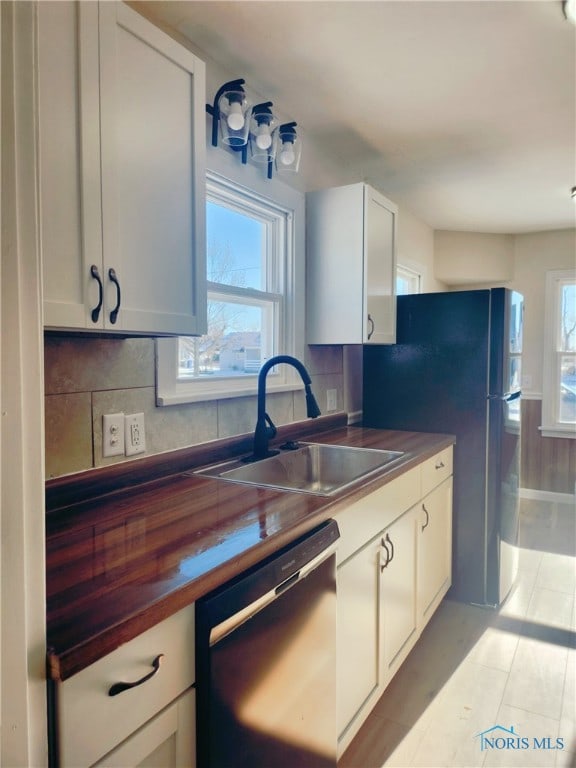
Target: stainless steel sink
x,y
311,468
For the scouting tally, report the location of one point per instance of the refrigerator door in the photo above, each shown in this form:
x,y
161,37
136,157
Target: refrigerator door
x,y
435,379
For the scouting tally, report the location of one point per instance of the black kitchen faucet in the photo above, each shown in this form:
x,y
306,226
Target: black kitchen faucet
x,y
265,429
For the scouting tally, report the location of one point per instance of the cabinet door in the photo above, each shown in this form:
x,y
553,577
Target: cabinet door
x,y
398,591
69,162
166,741
357,632
434,548
351,266
334,265
379,269
153,177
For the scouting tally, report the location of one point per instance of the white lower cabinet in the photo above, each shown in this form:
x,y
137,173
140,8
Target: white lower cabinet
x,y
397,592
390,580
434,548
166,741
357,628
150,721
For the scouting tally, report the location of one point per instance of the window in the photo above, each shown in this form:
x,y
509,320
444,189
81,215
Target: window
x,y
407,281
250,279
559,380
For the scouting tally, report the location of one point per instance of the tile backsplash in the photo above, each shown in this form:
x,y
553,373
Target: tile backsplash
x,y
86,378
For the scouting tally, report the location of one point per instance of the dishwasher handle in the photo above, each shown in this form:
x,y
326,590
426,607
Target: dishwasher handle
x,y
220,631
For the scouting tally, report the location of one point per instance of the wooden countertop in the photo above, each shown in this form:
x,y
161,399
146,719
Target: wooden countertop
x,y
123,560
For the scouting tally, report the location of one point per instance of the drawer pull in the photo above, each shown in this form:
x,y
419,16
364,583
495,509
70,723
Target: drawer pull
x,y
440,465
120,687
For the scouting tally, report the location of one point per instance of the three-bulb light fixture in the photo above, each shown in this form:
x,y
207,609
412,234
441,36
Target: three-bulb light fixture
x,y
246,128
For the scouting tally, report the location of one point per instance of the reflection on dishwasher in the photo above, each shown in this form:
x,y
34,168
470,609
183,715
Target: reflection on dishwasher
x,y
267,663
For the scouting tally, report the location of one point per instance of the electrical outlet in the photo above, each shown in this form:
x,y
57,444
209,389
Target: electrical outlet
x,y
134,434
113,435
331,399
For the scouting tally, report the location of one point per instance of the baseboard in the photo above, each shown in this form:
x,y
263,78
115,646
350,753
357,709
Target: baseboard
x,y
552,496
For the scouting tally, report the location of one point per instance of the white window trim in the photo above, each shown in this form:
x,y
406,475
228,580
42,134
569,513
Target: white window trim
x,y
550,426
273,194
411,273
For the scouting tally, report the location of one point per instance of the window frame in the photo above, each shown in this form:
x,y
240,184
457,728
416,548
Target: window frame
x,y
409,273
552,354
285,206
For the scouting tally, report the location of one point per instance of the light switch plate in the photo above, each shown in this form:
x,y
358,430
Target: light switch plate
x,y
135,436
113,435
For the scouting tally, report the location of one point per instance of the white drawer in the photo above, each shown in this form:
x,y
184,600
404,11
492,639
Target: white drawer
x,y
435,470
91,722
364,519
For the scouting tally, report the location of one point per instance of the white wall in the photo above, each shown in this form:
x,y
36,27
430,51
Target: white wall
x,y
416,250
473,257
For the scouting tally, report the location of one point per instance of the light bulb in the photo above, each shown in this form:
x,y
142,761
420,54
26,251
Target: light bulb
x,y
287,155
235,117
263,137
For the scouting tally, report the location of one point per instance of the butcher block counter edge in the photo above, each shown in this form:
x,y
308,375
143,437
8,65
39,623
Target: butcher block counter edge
x,y
83,626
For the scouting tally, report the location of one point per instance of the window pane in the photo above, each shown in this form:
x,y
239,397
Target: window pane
x,y
568,389
236,244
237,343
407,281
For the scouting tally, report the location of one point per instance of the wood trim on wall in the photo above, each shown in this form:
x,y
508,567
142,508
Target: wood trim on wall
x,y
547,463
23,738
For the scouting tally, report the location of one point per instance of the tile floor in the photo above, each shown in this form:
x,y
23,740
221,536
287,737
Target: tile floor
x,y
474,668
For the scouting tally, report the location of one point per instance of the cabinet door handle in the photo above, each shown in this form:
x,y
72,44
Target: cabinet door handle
x,y
385,548
371,327
440,465
114,279
96,275
121,687
389,541
389,552
427,517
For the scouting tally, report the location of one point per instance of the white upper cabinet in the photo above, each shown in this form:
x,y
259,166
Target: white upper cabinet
x,y
122,173
351,266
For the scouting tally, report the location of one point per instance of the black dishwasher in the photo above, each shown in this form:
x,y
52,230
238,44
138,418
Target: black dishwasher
x,y
266,661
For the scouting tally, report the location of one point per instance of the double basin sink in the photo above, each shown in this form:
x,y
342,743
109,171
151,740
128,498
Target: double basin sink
x,y
315,468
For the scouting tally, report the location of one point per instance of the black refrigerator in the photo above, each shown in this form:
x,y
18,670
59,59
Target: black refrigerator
x,y
456,368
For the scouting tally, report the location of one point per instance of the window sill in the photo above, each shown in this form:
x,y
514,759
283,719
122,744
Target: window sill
x,y
555,431
203,396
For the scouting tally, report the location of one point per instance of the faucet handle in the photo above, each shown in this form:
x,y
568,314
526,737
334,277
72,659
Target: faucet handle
x,y
271,430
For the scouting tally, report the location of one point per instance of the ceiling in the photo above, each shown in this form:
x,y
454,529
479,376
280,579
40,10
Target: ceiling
x,y
463,111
